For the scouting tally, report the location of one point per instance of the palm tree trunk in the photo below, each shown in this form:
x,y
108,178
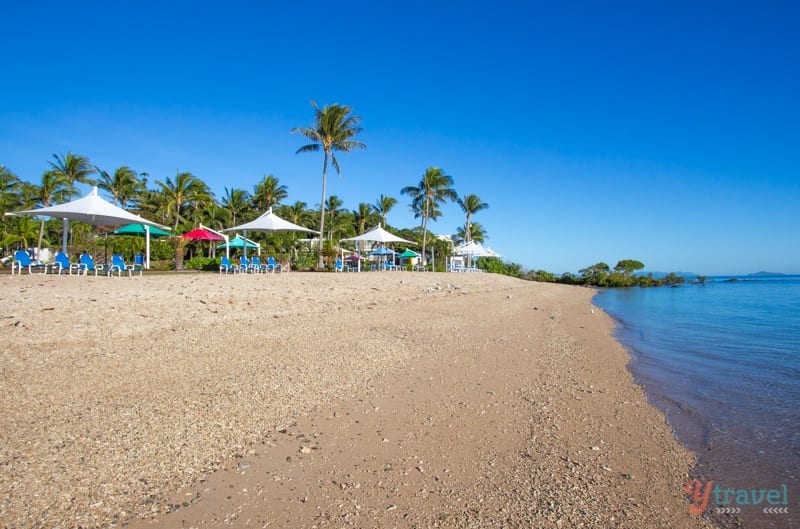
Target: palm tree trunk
x,y
320,262
425,234
41,236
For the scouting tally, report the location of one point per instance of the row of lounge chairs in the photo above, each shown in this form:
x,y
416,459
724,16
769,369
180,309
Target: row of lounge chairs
x,y
340,266
252,265
62,264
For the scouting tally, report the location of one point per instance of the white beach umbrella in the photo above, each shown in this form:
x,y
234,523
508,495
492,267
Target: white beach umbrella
x,y
378,234
267,222
97,211
472,248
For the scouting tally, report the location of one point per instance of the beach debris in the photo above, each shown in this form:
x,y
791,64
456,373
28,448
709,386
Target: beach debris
x,y
305,450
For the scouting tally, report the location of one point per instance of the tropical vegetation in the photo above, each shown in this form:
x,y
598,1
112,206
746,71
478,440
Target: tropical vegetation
x,y
184,200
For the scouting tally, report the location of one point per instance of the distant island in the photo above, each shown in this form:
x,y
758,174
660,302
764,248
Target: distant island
x,y
766,274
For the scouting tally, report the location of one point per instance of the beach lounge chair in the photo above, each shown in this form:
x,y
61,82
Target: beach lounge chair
x,y
226,266
255,265
63,264
23,260
87,265
244,264
456,264
338,266
118,265
272,265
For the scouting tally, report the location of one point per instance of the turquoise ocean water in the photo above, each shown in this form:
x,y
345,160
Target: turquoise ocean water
x,y
722,360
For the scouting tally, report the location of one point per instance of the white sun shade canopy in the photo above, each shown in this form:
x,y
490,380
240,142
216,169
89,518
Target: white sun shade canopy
x,y
93,209
378,234
269,222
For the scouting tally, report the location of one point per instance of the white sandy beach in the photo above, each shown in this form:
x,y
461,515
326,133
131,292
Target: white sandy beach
x,y
327,400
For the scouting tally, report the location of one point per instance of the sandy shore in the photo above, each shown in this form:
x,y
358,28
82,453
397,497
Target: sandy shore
x,y
324,400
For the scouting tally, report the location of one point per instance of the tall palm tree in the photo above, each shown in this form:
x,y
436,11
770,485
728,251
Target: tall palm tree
x,y
185,193
74,169
333,131
383,205
53,188
268,193
237,202
470,204
124,185
433,190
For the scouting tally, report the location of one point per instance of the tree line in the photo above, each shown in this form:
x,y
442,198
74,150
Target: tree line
x,y
597,275
185,200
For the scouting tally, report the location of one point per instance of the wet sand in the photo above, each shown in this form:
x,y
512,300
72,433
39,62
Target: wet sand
x,y
385,399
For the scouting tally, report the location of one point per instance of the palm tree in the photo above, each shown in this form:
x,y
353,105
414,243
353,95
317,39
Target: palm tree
x,y
298,213
433,190
334,129
23,231
215,216
153,204
185,193
237,202
470,204
477,233
73,169
335,210
383,205
363,216
9,191
53,188
124,185
268,193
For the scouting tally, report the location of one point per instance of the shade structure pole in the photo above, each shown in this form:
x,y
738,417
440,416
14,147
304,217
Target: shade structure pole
x,y
146,247
244,246
64,235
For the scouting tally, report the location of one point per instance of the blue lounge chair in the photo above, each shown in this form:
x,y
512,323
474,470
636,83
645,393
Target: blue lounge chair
x,y
118,265
244,264
87,265
273,265
23,260
63,264
255,265
338,266
226,266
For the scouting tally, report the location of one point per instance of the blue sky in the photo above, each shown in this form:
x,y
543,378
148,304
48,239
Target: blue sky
x,y
662,131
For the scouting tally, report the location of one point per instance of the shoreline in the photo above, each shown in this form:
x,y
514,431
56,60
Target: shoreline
x,y
436,399
726,456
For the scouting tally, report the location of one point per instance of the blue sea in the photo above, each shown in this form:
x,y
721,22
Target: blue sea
x,y
722,360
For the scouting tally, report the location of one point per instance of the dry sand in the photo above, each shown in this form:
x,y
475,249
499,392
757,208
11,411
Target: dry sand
x,y
324,400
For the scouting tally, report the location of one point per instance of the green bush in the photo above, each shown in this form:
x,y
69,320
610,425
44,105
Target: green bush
x,y
202,263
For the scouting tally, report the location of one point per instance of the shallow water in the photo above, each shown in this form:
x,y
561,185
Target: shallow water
x,y
723,361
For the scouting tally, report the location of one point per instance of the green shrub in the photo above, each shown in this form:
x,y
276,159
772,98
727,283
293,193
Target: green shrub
x,y
202,263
